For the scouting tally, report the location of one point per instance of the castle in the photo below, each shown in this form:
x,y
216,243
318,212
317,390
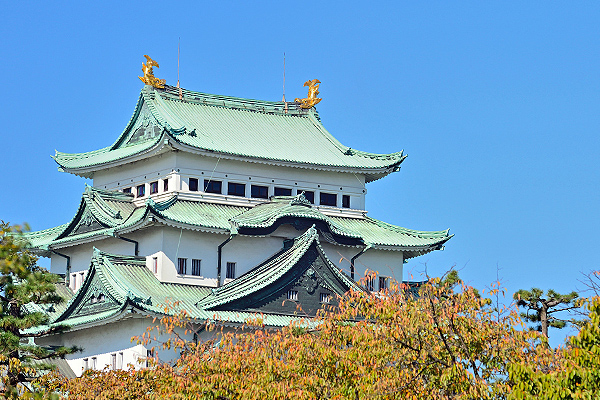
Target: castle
x,y
230,207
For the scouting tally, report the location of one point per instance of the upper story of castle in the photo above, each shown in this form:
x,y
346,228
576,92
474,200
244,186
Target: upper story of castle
x,y
230,150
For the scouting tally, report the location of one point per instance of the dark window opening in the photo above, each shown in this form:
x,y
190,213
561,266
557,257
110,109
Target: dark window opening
x,y
211,186
236,189
279,191
193,184
383,283
127,190
230,274
259,192
196,267
153,187
310,196
346,201
328,199
141,191
165,185
182,266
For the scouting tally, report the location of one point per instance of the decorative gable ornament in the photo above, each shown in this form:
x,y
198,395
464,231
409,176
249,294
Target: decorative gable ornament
x,y
149,78
313,91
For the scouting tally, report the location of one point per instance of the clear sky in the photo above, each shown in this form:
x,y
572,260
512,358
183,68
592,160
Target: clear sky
x,y
496,104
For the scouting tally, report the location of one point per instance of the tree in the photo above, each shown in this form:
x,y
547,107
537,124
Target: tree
x,y
444,343
572,373
23,282
541,309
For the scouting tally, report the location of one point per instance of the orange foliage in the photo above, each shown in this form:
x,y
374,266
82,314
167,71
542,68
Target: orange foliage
x,y
442,344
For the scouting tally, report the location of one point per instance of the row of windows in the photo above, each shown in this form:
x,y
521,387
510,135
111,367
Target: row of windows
x,y
182,266
140,190
323,298
383,283
262,192
197,267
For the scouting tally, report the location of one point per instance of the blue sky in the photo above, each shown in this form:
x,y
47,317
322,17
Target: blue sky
x,y
496,104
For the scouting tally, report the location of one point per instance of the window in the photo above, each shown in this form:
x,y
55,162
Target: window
x,y
155,265
153,187
149,355
86,364
113,361
328,199
346,201
310,196
196,267
182,266
141,190
383,283
259,192
101,298
279,191
212,186
94,363
236,189
230,274
165,185
325,298
292,295
127,190
120,361
193,184
370,282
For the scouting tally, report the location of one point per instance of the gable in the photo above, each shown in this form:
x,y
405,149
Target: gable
x,y
296,291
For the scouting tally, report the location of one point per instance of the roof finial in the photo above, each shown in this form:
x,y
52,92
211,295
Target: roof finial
x,y
286,106
149,78
313,91
178,53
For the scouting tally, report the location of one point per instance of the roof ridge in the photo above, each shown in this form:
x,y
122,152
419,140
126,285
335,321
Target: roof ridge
x,y
301,243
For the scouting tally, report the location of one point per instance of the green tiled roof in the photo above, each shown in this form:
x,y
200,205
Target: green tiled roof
x,y
207,215
129,286
253,130
116,214
267,215
381,234
269,272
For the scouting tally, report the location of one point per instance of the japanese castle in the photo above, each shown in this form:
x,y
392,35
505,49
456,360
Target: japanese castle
x,y
229,206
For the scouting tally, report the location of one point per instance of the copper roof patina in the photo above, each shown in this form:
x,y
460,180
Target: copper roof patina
x,y
103,214
224,126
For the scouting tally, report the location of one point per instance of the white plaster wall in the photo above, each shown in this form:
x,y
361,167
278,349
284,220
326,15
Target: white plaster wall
x,y
297,179
246,252
384,262
103,341
179,167
150,240
81,254
133,174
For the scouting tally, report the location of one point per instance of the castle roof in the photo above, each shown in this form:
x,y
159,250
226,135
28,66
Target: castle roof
x,y
257,131
104,213
118,286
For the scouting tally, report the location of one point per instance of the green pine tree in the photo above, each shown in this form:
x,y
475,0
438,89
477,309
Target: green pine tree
x,y
23,282
540,309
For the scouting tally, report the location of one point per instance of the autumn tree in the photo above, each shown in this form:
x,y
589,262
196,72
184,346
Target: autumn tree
x,y
23,282
541,309
445,343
